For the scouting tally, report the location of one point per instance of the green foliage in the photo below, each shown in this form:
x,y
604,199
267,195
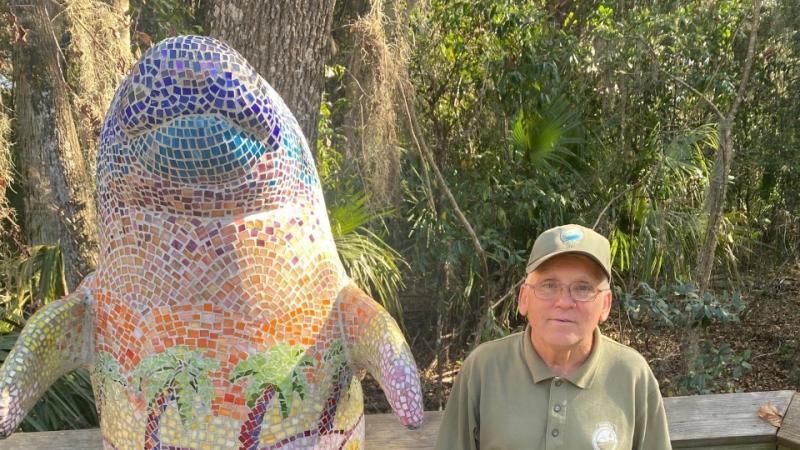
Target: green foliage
x,y
554,114
335,354
67,405
282,367
329,140
358,230
109,373
508,132
29,282
179,371
680,307
366,257
544,135
657,227
543,114
707,372
155,20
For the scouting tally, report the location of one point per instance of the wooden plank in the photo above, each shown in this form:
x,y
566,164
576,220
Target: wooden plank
x,y
384,432
789,434
707,422
396,438
761,446
54,440
722,419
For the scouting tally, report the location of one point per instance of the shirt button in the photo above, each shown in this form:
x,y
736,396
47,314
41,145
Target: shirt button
x,y
558,382
554,432
557,408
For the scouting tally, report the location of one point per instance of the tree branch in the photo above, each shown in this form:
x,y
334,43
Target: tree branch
x,y
748,62
616,197
511,290
419,140
718,186
672,77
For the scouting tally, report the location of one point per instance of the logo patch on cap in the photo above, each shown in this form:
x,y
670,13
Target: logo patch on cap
x,y
571,235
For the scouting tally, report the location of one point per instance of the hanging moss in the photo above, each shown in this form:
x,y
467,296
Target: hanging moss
x,y
99,54
378,62
8,225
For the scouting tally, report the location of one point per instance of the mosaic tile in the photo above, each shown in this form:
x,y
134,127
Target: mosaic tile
x,y
220,316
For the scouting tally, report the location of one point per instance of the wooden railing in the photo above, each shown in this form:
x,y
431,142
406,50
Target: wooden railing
x,y
722,421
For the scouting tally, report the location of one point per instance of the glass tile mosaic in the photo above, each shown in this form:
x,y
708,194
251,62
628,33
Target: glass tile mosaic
x,y
220,316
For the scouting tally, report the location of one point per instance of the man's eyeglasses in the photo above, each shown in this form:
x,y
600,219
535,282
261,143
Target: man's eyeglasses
x,y
579,291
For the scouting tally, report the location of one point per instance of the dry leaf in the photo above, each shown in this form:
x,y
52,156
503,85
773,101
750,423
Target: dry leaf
x,y
145,39
19,32
769,413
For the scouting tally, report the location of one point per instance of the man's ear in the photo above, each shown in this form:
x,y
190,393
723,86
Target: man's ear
x,y
522,301
606,297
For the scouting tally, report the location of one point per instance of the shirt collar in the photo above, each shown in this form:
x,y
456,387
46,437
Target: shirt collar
x,y
582,377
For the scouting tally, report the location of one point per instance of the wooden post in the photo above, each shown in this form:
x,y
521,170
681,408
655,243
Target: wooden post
x,y
789,434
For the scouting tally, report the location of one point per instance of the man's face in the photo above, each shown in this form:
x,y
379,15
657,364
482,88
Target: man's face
x,y
562,323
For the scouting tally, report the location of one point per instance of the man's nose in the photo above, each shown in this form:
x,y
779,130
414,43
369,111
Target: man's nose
x,y
564,298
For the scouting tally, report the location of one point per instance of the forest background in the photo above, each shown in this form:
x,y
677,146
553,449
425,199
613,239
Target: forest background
x,y
448,134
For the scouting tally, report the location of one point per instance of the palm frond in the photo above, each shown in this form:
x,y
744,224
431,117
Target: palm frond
x,y
372,263
280,368
547,134
28,282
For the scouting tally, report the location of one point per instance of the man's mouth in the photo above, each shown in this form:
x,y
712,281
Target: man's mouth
x,y
562,320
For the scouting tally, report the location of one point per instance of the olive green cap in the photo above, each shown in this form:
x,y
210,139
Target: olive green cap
x,y
570,239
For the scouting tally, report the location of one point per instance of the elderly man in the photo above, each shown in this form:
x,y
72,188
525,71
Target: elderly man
x,y
560,383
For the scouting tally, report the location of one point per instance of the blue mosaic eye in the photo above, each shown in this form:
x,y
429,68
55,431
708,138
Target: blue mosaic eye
x,y
201,146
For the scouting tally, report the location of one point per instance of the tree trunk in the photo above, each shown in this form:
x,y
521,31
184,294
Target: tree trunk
x,y
286,42
341,382
152,438
58,198
717,190
722,168
250,433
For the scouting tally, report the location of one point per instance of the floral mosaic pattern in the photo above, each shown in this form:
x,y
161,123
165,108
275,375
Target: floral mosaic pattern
x,y
220,316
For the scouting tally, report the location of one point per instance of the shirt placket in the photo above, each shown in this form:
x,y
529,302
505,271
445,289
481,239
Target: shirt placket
x,y
556,415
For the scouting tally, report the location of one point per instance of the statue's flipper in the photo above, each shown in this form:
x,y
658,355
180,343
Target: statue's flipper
x,y
376,343
56,340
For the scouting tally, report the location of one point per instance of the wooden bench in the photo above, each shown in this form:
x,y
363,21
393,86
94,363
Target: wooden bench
x,y
705,422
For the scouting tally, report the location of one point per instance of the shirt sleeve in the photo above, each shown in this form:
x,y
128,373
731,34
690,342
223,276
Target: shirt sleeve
x,y
652,430
460,425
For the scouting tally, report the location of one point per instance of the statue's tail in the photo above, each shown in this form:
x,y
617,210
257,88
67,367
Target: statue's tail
x,y
56,340
376,343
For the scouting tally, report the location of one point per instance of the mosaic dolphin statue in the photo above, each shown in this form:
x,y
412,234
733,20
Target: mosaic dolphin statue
x,y
220,315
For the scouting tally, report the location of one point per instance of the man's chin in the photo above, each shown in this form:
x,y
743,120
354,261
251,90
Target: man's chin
x,y
562,341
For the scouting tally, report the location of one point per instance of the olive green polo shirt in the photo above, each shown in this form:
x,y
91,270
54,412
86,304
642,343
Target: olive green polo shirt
x,y
505,397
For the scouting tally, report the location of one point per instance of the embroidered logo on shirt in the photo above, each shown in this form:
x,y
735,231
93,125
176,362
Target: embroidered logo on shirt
x,y
604,437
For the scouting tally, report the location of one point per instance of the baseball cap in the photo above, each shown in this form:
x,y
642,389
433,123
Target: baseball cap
x,y
570,239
